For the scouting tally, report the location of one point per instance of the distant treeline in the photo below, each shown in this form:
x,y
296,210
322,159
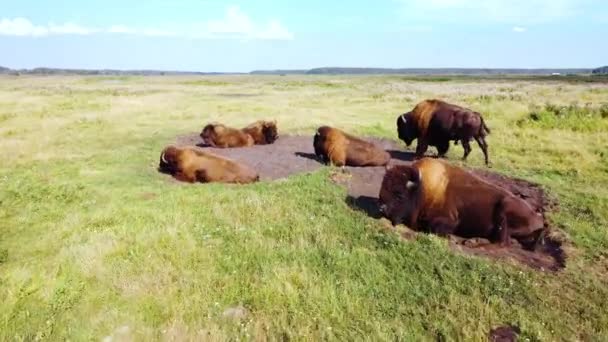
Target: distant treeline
x,y
316,71
601,71
424,71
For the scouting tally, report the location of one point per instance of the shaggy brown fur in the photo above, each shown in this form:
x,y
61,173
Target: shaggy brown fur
x,y
436,123
433,195
341,149
218,135
190,165
262,132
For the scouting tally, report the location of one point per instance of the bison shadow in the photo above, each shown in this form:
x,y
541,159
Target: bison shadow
x,y
398,155
203,145
310,156
368,205
402,155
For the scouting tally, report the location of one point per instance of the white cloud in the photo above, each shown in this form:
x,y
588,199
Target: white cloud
x,y
70,28
238,24
514,11
519,29
234,25
235,22
274,31
23,27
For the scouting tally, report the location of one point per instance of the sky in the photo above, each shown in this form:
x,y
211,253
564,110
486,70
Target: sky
x,y
240,36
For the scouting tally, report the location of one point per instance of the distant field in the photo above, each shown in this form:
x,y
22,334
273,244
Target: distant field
x,y
95,243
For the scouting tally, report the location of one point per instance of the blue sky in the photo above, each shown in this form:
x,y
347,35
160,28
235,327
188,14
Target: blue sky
x,y
216,35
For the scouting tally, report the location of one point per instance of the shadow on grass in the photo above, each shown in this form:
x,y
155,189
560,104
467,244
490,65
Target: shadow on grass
x,y
367,204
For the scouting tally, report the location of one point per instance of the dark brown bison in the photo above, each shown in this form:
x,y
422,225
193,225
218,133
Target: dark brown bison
x,y
436,123
434,196
262,132
341,149
218,135
190,165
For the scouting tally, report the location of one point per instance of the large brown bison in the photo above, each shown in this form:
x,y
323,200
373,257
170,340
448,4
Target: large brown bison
x,y
218,135
190,165
434,196
262,132
436,123
341,149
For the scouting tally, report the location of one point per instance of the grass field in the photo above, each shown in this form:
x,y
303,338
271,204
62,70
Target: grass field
x,y
95,243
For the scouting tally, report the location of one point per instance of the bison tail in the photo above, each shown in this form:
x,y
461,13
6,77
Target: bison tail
x,y
484,128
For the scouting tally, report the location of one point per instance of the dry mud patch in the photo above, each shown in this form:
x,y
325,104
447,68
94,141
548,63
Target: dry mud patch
x,y
291,155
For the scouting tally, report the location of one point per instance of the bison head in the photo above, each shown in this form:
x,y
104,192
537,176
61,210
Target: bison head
x,y
399,194
271,134
209,133
168,159
318,142
406,128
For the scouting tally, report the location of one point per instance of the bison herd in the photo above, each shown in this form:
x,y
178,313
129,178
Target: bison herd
x,y
429,195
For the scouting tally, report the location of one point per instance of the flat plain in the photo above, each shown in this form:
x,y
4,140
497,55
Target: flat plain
x,y
95,243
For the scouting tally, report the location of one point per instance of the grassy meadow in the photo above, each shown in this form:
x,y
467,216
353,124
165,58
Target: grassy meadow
x,y
95,244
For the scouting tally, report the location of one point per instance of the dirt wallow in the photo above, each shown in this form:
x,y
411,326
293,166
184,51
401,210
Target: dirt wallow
x,y
291,155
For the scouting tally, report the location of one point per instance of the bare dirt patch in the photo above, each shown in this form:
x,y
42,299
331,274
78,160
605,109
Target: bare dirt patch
x,y
504,334
291,155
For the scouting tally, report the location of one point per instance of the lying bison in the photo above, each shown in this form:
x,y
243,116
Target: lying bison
x,y
218,135
341,149
189,165
262,132
436,123
434,196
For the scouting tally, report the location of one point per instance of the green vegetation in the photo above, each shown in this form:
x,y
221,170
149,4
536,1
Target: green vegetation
x,y
94,242
571,117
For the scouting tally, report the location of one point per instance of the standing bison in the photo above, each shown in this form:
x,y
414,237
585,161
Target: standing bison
x,y
341,149
434,196
436,123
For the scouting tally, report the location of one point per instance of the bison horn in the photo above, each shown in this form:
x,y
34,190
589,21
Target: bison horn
x,y
162,158
410,185
403,118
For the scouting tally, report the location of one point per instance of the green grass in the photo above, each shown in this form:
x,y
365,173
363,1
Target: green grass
x,y
94,242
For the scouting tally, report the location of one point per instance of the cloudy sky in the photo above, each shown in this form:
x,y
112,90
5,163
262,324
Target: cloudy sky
x,y
217,35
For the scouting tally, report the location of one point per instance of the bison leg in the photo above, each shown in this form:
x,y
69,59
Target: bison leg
x,y
481,141
442,148
467,148
201,176
501,229
184,177
421,147
442,226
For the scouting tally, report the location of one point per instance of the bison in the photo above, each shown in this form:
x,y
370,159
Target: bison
x,y
436,123
262,132
190,165
218,135
433,196
341,149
